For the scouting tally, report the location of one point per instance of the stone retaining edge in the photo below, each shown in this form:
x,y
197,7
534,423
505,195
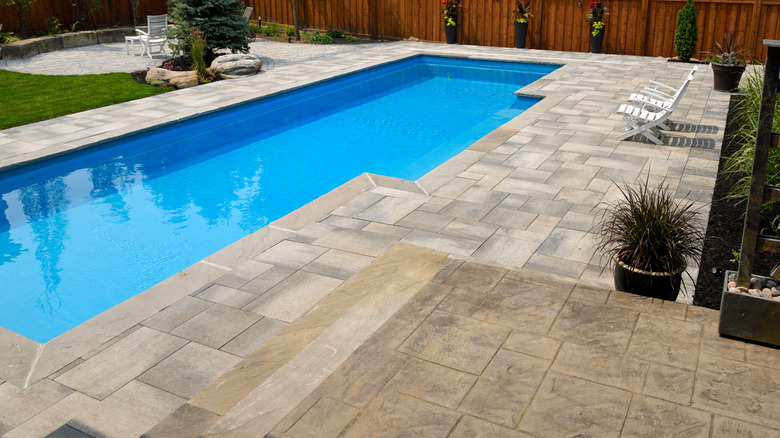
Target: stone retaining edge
x,y
35,46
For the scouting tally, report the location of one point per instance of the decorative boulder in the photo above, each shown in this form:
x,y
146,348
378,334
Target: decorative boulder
x,y
178,79
236,66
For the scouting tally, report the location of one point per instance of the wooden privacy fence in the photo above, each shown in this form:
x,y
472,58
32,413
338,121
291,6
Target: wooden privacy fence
x,y
635,27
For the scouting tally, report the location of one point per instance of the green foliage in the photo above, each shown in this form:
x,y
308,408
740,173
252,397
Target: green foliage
x,y
522,13
686,34
648,230
335,33
289,31
317,38
198,51
218,21
272,29
351,39
734,256
254,28
745,121
450,11
30,98
53,26
7,37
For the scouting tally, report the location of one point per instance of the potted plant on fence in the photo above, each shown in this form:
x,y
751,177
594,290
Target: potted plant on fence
x,y
650,239
450,12
729,63
597,17
522,14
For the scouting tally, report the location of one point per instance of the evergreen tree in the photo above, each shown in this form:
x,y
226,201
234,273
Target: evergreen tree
x,y
219,22
686,34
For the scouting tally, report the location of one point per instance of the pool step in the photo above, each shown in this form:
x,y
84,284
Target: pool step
x,y
254,396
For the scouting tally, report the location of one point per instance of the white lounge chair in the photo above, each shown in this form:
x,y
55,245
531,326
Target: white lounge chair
x,y
642,121
155,35
650,119
655,100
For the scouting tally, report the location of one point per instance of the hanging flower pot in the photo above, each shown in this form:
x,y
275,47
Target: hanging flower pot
x,y
521,30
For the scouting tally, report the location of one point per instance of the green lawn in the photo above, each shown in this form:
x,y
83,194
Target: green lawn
x,y
26,98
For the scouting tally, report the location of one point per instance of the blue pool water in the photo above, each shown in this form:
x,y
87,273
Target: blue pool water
x,y
82,233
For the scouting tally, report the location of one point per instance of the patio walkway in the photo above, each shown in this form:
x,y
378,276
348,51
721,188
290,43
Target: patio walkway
x,y
522,197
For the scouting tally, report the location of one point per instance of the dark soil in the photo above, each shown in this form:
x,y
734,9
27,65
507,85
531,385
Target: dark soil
x,y
724,233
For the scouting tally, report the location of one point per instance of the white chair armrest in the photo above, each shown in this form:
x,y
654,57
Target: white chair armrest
x,y
140,32
657,94
658,84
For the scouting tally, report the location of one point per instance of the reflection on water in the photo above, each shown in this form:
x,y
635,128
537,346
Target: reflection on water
x,y
9,250
41,201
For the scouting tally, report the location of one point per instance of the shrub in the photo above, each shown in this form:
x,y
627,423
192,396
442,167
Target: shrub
x,y
6,37
289,31
53,26
254,28
686,34
317,38
271,29
217,21
351,39
335,33
198,50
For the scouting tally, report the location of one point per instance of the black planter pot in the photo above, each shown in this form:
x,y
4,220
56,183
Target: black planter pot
x,y
451,32
726,77
663,285
521,30
596,41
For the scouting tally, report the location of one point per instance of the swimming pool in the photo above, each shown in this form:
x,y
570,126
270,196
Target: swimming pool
x,y
82,233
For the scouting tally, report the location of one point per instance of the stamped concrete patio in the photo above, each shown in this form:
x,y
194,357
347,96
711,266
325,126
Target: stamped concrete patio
x,y
294,330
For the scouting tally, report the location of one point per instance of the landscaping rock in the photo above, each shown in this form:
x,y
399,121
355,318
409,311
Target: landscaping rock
x,y
236,66
185,81
178,79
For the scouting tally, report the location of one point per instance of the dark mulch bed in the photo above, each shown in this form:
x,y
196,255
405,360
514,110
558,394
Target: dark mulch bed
x,y
724,234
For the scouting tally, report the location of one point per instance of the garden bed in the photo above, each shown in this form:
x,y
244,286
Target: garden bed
x,y
724,233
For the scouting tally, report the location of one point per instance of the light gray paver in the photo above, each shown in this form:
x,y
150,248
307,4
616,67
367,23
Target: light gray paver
x,y
216,326
129,412
120,363
188,370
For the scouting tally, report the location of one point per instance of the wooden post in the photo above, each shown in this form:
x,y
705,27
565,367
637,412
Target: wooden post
x,y
760,158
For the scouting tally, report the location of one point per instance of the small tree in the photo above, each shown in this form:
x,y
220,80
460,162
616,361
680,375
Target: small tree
x,y
218,21
22,9
686,34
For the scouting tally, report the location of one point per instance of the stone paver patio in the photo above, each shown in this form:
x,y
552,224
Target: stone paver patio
x,y
197,353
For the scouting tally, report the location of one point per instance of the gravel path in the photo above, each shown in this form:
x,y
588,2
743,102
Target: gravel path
x,y
112,57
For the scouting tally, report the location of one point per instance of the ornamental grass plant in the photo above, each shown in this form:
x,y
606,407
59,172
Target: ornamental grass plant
x,y
648,230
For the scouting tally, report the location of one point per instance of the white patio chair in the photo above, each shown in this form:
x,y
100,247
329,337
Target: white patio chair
x,y
655,100
649,119
155,35
642,121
